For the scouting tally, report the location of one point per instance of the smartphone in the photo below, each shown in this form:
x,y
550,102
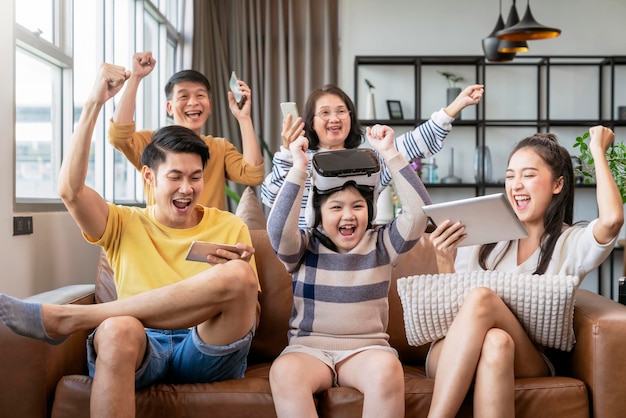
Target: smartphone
x,y
234,87
289,108
198,250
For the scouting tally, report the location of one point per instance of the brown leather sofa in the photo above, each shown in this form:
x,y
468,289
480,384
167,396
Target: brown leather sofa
x,y
39,380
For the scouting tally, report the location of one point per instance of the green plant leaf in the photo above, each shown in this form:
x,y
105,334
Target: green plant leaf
x,y
616,157
232,194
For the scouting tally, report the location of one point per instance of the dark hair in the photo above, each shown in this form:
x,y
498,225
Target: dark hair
x,y
173,138
320,198
185,75
355,135
561,208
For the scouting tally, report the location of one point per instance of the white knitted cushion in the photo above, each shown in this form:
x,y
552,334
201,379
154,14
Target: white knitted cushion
x,y
543,304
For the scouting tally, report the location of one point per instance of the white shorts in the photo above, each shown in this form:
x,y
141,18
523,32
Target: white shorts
x,y
333,357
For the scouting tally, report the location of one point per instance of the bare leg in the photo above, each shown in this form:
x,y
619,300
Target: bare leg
x,y
121,344
494,388
454,360
294,378
379,376
227,291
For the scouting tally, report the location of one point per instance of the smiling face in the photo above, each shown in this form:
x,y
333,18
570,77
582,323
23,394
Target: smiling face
x,y
332,133
177,184
345,218
530,186
189,105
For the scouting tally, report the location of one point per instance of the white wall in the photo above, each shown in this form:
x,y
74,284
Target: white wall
x,y
456,27
56,253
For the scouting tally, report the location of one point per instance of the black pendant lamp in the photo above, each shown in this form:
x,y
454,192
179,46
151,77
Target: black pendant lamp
x,y
511,46
491,43
528,29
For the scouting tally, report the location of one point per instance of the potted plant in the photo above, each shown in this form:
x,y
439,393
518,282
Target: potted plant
x,y
453,90
616,157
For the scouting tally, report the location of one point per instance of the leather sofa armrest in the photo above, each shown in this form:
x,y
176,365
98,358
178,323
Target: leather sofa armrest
x,y
597,358
31,368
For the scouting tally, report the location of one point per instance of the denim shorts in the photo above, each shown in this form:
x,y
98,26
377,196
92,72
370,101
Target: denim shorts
x,y
180,356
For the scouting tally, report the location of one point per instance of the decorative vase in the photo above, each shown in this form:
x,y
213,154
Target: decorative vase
x,y
451,94
482,165
371,107
451,178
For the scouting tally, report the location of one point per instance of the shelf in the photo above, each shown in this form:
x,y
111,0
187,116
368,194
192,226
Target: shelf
x,y
559,94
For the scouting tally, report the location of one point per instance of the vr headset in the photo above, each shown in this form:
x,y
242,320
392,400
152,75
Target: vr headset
x,y
333,169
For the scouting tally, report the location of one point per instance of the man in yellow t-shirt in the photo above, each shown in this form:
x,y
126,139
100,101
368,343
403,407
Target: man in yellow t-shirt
x,y
175,320
189,104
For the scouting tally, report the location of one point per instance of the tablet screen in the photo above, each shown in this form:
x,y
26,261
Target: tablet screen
x,y
487,218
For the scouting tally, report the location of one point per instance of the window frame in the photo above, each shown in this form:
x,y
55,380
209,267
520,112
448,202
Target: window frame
x,y
60,53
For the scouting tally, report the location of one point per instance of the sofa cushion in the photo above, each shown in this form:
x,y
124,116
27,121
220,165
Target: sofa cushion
x,y
276,300
543,304
250,210
105,283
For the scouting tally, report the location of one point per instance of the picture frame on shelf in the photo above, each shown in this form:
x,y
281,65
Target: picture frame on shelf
x,y
395,109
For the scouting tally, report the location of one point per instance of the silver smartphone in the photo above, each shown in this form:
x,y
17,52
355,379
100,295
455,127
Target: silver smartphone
x,y
198,250
234,87
290,108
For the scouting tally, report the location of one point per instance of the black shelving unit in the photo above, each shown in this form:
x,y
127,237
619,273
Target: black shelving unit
x,y
537,71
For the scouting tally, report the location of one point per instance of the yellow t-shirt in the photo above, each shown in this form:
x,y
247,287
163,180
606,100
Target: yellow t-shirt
x,y
225,162
146,254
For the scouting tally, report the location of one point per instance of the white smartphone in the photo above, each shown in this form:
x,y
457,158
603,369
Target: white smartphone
x,y
198,250
234,87
289,108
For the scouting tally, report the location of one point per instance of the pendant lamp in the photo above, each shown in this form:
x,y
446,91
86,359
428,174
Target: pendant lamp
x,y
528,29
491,43
511,46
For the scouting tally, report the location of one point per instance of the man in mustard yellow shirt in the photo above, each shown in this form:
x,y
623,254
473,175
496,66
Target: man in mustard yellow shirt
x,y
189,104
174,320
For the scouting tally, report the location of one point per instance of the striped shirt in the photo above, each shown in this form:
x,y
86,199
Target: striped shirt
x,y
424,141
340,300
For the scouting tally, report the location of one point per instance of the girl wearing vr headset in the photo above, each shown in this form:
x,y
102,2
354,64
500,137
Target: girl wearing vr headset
x,y
330,123
486,344
341,270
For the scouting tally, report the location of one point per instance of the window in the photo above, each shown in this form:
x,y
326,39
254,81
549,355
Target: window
x,y
56,62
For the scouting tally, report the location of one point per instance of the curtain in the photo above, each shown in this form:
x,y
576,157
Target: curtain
x,y
283,49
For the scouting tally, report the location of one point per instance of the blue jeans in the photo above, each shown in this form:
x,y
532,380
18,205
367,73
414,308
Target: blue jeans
x,y
179,356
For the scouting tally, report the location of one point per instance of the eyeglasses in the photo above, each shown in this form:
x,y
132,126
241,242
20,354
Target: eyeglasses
x,y
341,113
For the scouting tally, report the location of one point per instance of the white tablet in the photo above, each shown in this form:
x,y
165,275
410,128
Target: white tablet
x,y
487,218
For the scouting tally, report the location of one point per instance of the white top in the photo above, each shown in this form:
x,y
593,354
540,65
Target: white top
x,y
576,253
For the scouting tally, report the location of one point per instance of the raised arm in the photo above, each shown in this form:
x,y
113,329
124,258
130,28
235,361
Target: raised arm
x,y
282,222
610,206
427,138
251,149
282,161
469,96
87,207
411,222
143,64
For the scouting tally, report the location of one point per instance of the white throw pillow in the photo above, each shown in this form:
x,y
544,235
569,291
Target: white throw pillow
x,y
543,304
